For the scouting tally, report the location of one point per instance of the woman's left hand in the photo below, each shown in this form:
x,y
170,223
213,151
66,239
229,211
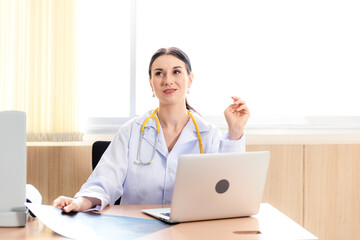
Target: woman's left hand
x,y
236,115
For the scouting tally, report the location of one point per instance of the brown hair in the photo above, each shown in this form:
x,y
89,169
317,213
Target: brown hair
x,y
178,53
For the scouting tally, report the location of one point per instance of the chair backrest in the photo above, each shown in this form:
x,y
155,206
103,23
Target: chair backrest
x,y
98,149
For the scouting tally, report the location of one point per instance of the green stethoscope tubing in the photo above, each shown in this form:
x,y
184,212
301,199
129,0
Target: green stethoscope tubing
x,y
139,161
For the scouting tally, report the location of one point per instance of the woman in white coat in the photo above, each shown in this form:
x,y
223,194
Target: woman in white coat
x,y
140,174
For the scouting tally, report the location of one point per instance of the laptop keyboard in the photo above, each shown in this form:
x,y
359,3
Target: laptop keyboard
x,y
166,214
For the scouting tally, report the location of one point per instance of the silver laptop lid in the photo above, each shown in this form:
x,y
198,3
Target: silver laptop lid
x,y
222,185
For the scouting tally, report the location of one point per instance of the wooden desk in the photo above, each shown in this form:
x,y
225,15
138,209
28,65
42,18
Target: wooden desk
x,y
271,223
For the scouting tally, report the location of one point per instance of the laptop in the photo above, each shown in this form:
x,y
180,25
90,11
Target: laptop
x,y
215,186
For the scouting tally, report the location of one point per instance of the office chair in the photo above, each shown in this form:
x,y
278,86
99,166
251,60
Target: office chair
x,y
98,149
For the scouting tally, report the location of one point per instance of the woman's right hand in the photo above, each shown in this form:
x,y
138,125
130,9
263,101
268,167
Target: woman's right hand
x,y
68,204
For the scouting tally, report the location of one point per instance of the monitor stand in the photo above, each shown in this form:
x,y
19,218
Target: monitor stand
x,y
13,218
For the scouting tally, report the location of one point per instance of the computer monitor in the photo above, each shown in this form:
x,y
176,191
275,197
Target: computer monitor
x,y
12,168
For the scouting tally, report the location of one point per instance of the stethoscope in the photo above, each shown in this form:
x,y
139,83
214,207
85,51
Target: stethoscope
x,y
139,161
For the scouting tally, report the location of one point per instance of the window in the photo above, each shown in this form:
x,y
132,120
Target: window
x,y
104,63
288,59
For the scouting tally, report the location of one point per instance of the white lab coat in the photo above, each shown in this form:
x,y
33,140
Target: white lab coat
x,y
117,175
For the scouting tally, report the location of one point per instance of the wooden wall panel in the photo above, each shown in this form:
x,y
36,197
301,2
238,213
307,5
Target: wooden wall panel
x,y
58,170
332,191
284,183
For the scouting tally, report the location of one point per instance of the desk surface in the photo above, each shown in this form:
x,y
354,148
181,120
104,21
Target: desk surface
x,y
271,223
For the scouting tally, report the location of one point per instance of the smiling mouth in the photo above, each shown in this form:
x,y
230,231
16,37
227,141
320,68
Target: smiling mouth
x,y
169,91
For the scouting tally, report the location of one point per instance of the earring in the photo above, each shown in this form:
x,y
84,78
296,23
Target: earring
x,y
153,94
188,91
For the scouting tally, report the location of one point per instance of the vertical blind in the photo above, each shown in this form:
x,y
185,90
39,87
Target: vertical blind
x,y
38,66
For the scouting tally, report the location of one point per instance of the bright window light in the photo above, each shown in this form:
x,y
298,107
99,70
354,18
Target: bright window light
x,y
104,58
287,59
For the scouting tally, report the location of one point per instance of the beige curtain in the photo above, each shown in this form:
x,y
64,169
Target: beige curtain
x,y
38,66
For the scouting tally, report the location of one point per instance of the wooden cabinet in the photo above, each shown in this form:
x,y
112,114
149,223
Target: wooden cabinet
x,y
332,191
58,170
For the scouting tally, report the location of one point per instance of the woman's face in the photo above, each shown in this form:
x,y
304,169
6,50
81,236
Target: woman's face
x,y
170,80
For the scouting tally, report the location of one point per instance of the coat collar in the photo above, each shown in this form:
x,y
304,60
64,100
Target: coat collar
x,y
202,124
187,135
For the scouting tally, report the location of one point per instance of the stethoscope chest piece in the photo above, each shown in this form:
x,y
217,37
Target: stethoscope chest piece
x,y
139,162
138,159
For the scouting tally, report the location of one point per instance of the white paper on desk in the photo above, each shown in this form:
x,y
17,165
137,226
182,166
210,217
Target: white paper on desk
x,y
90,225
